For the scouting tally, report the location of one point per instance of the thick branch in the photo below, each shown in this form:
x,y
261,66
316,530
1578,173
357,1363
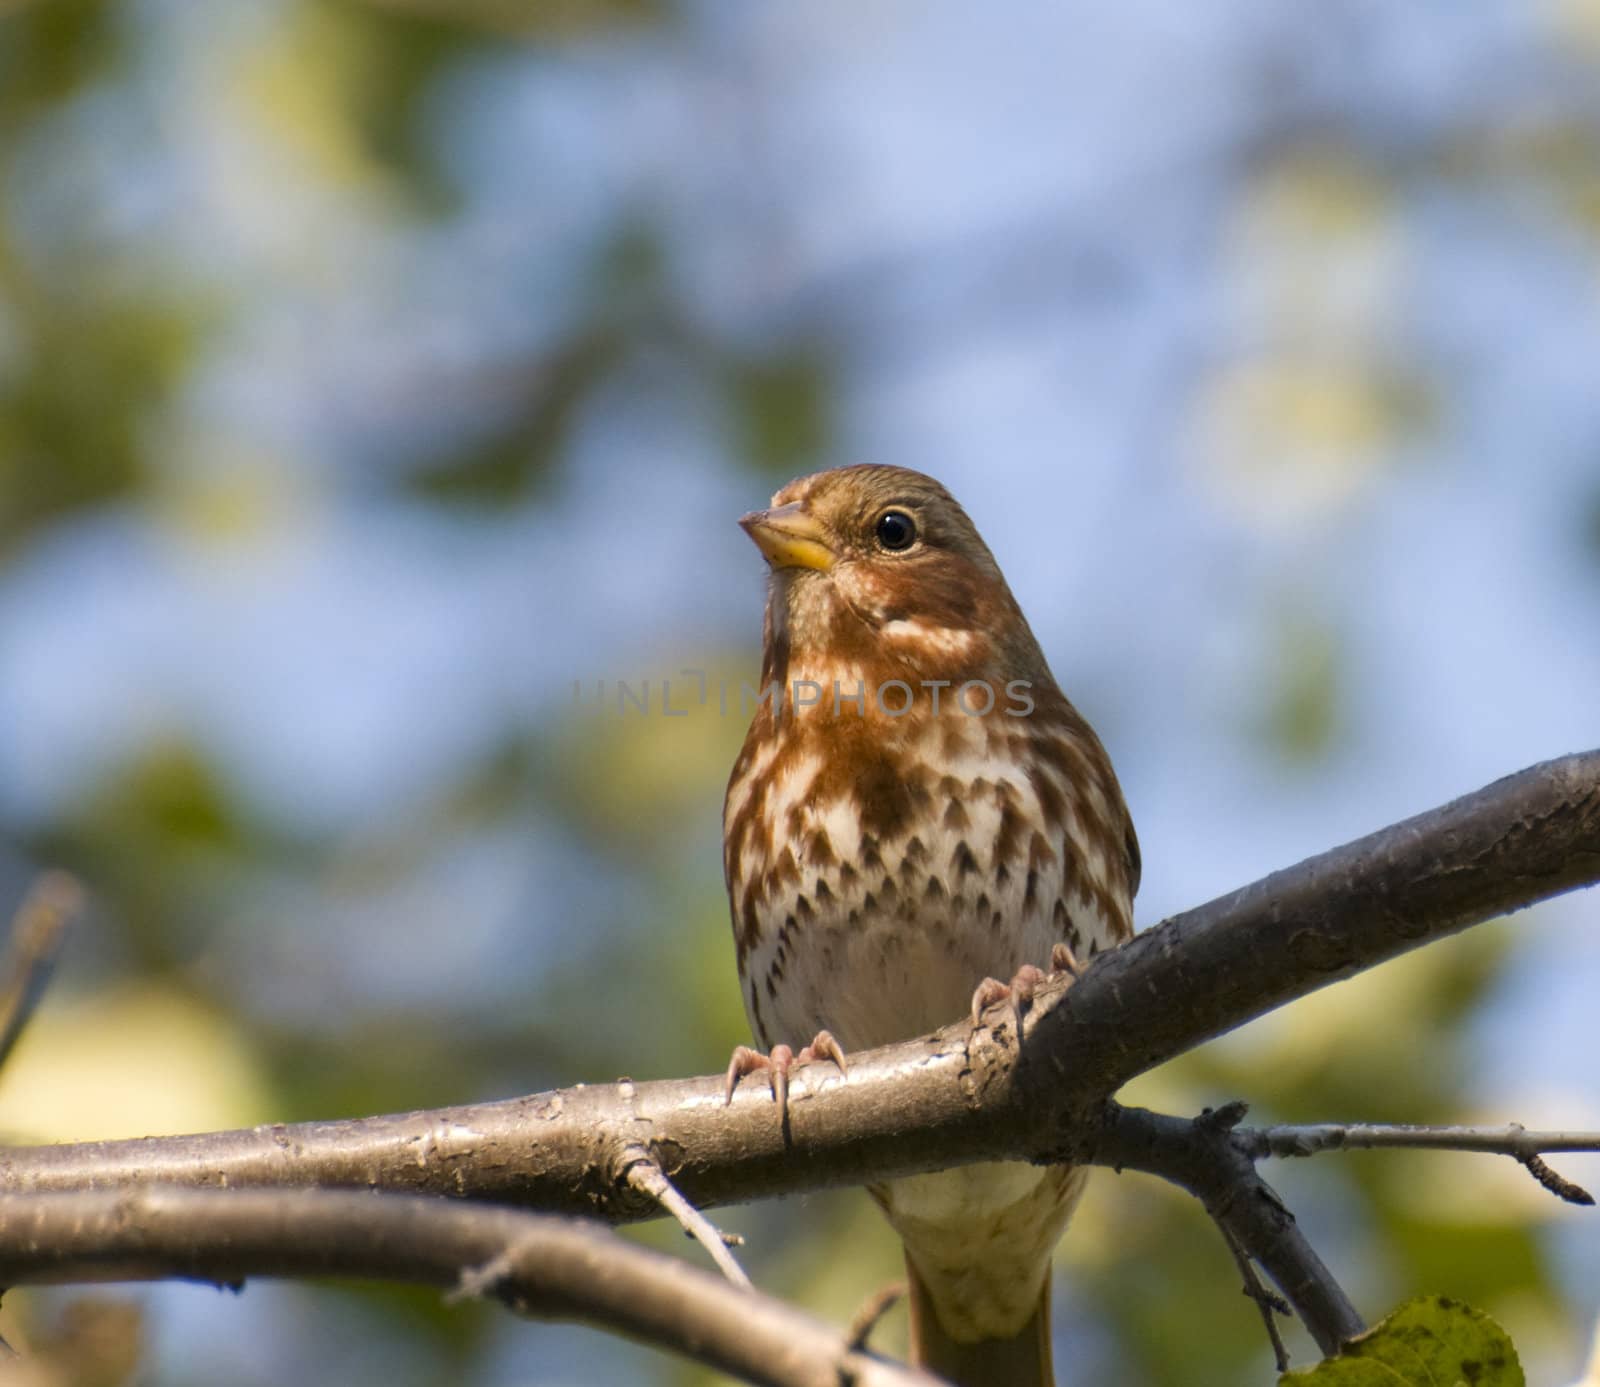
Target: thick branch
x,y
959,1095
553,1267
947,1099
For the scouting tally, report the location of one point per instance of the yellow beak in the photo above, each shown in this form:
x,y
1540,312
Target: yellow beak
x,y
789,536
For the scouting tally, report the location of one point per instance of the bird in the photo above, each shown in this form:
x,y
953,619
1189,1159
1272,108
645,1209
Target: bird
x,y
916,813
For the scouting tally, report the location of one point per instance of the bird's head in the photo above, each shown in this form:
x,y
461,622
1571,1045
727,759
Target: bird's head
x,y
880,568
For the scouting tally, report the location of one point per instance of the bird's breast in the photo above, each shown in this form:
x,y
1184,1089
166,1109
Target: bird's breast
x,y
874,883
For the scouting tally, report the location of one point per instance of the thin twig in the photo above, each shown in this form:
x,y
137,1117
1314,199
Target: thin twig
x,y
872,1311
553,1267
646,1175
38,930
1267,1302
1512,1139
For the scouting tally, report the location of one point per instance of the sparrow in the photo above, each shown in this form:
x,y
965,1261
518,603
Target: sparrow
x,y
917,811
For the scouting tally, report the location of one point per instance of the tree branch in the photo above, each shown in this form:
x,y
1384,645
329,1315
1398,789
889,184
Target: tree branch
x,y
962,1094
537,1264
646,1176
1201,1155
1514,1140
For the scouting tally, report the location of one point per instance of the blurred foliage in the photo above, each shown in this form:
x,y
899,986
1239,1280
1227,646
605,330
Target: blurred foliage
x,y
624,307
50,51
94,364
133,1059
1303,691
392,58
550,20
176,1015
1591,524
163,839
90,1341
504,468
780,412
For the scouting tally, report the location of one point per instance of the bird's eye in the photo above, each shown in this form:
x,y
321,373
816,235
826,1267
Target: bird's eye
x,y
896,530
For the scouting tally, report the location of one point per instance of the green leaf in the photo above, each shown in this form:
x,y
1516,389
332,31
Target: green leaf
x,y
1431,1341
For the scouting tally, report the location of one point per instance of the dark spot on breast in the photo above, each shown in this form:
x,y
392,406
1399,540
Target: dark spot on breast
x,y
772,987
785,871
823,892
885,798
949,785
819,850
802,908
1008,837
847,874
870,860
888,889
757,1024
982,903
1052,803
915,852
1040,853
955,817
749,926
963,861
1031,890
934,889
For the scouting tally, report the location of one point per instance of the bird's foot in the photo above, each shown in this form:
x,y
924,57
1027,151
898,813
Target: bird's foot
x,y
1024,983
779,1062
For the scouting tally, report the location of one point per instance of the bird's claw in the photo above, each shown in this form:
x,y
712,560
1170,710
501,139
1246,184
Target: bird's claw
x,y
1063,960
1020,990
778,1063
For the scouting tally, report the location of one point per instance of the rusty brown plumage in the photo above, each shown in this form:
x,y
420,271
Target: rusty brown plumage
x,y
918,807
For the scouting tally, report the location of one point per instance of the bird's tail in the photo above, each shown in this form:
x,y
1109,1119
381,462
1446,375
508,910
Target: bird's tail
x,y
1021,1360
